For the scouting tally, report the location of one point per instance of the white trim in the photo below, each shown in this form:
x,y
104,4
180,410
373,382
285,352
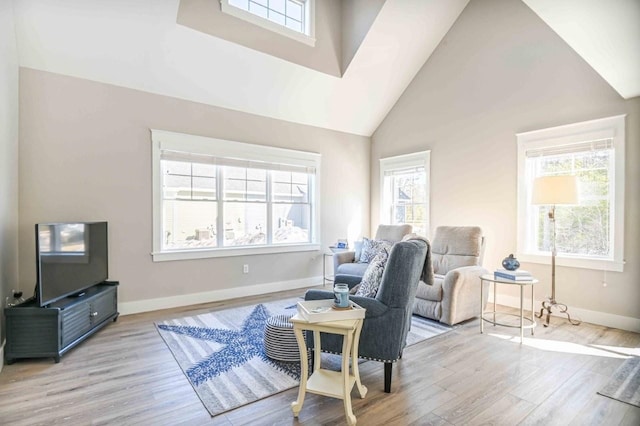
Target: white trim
x,y
231,251
592,317
573,262
308,37
162,139
2,354
232,149
415,159
128,308
610,127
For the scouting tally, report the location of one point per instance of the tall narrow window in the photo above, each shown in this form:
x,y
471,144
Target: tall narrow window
x,y
215,197
590,234
404,191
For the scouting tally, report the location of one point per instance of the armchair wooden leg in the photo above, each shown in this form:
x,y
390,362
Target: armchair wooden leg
x,y
387,376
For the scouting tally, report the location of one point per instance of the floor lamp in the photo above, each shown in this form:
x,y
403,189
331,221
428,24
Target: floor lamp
x,y
551,191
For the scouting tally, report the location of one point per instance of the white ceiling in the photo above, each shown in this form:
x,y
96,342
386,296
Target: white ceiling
x,y
605,33
137,44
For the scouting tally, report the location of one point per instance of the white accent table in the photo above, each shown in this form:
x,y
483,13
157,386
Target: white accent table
x,y
326,278
491,279
330,278
335,384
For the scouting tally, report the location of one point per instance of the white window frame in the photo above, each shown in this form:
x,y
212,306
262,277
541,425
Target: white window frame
x,y
399,162
605,128
307,37
165,140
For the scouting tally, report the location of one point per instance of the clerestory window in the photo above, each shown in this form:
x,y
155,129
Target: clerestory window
x,y
292,18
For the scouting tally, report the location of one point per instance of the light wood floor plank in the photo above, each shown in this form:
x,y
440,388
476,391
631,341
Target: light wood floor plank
x,y
569,400
508,410
125,375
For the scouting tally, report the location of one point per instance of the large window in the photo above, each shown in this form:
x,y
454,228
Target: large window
x,y
292,18
589,234
404,191
221,198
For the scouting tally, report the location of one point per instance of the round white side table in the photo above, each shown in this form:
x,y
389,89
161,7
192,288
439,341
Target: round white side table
x,y
491,279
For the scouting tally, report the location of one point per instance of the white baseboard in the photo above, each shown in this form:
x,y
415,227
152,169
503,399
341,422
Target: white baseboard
x,y
593,317
127,308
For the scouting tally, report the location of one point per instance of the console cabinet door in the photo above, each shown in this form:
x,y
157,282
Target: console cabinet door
x,y
103,306
75,323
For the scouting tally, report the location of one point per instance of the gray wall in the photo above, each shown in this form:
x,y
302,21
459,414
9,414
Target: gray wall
x,y
85,154
357,18
8,158
500,70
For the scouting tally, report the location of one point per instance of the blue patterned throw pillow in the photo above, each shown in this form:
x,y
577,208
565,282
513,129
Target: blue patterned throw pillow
x,y
372,277
371,248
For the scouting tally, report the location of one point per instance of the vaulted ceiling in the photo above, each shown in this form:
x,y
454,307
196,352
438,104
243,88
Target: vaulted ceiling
x,y
138,44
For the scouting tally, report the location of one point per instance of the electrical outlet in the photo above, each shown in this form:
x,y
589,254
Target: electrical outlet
x,y
245,269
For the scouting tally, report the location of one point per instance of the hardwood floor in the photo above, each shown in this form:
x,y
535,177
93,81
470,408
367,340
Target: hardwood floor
x,y
125,375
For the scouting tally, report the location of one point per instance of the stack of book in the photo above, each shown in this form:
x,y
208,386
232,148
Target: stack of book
x,y
518,275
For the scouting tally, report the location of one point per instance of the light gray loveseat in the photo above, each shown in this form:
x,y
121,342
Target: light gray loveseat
x,y
456,255
346,267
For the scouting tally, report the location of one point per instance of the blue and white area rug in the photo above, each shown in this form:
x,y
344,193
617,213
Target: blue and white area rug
x,y
222,353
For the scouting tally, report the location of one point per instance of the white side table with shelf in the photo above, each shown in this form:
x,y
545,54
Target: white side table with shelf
x,y
335,384
326,278
491,279
330,278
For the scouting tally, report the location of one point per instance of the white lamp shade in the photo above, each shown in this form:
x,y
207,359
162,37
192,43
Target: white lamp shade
x,y
552,190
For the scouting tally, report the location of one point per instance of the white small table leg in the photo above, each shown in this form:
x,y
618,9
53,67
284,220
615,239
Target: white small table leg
x,y
533,319
296,406
521,313
494,303
347,344
362,390
317,352
481,306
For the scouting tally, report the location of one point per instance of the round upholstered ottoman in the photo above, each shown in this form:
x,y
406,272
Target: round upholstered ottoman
x,y
279,341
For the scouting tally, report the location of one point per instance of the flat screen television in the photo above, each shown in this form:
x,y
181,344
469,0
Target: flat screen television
x,y
70,257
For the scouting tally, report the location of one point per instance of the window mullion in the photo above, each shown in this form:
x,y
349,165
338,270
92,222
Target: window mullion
x,y
312,219
269,207
191,181
220,206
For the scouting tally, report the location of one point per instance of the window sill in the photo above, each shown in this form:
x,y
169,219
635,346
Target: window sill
x,y
163,256
598,264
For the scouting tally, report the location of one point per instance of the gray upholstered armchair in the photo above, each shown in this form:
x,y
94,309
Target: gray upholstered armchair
x,y
388,316
346,267
456,253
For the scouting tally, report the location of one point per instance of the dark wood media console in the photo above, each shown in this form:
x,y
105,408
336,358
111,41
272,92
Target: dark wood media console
x,y
35,332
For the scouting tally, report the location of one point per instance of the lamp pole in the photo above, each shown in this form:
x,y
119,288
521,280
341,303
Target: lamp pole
x,y
554,252
551,301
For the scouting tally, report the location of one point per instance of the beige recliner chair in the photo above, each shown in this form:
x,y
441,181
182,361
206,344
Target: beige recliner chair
x,y
456,254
